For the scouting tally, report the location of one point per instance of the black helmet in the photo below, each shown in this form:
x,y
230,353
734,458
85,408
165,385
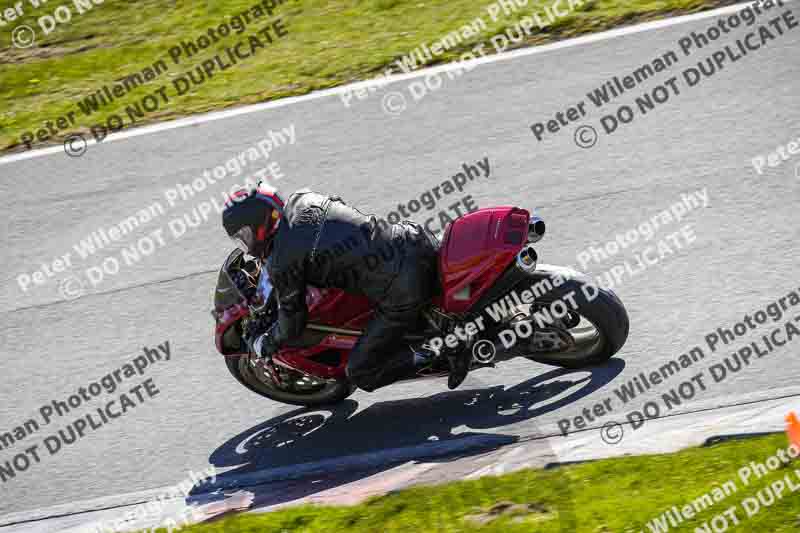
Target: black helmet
x,y
251,218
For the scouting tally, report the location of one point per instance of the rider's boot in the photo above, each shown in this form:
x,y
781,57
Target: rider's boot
x,y
459,367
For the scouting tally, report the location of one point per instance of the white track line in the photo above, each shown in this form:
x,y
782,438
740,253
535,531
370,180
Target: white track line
x,y
255,108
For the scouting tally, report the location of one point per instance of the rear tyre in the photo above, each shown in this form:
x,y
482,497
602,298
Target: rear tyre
x,y
599,325
302,391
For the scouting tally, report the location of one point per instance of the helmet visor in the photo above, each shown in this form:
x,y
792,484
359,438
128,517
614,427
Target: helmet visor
x,y
245,239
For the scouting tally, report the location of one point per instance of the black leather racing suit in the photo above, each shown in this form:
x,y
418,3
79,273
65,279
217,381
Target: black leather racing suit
x,y
325,243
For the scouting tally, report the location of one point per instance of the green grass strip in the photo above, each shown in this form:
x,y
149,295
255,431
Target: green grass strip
x,y
329,43
613,495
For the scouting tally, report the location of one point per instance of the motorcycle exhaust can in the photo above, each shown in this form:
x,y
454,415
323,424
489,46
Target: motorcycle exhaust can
x,y
536,229
527,258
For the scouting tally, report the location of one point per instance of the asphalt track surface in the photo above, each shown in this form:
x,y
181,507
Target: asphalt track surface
x,y
745,257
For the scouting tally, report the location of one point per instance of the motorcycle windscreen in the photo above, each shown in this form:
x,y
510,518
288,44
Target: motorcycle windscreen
x,y
227,293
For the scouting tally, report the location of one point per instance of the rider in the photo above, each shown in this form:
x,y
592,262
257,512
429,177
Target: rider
x,y
318,240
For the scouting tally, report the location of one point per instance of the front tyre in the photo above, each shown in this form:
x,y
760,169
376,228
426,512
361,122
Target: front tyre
x,y
296,390
595,329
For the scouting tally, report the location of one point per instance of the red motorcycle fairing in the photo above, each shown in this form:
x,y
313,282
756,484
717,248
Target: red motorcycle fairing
x,y
476,250
331,307
225,323
327,307
335,308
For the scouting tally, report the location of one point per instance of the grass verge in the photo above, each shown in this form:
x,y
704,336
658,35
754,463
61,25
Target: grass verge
x,y
329,43
613,495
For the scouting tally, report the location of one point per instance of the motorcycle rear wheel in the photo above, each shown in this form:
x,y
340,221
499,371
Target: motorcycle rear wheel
x,y
603,327
303,391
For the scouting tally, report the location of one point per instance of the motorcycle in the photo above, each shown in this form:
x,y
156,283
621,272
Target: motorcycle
x,y
488,268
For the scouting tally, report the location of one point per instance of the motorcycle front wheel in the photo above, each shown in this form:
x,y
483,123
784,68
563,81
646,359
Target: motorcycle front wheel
x,y
295,388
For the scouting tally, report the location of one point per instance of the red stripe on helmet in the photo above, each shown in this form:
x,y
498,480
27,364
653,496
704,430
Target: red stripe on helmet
x,y
236,197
